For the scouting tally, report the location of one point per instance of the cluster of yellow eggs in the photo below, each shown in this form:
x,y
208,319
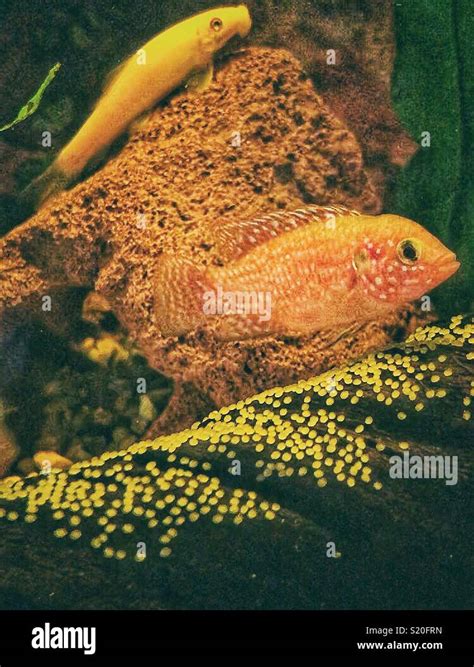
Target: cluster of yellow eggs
x,y
325,428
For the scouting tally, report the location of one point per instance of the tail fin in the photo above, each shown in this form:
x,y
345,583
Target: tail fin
x,y
180,288
46,185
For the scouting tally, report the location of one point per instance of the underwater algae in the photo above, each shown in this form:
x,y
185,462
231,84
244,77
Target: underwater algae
x,y
289,469
182,171
32,104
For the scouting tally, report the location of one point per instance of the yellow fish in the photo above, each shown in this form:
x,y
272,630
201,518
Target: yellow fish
x,y
181,53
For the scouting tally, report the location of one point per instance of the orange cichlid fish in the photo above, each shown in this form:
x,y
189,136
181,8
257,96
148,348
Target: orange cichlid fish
x,y
298,272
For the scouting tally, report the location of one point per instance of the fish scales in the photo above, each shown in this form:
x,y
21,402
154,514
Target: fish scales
x,y
294,273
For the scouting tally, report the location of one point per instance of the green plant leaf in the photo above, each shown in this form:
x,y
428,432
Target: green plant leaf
x,y
31,106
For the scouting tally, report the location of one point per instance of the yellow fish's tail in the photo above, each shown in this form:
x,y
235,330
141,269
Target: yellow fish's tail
x,y
48,184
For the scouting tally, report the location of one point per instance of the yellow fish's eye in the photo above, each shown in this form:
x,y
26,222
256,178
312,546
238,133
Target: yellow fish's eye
x,y
216,24
409,251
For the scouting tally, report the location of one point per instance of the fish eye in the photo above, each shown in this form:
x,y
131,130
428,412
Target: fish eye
x,y
216,24
408,251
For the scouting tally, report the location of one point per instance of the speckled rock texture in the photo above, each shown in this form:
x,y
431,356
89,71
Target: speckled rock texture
x,y
348,48
184,168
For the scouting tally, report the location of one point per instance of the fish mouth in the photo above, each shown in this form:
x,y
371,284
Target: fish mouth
x,y
448,265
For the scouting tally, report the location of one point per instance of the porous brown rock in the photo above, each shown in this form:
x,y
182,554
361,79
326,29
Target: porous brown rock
x,y
348,49
258,140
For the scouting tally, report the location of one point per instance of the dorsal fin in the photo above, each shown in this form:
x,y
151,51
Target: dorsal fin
x,y
236,238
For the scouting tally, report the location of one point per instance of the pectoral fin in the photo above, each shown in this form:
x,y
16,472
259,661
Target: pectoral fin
x,y
46,185
139,123
201,80
361,261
